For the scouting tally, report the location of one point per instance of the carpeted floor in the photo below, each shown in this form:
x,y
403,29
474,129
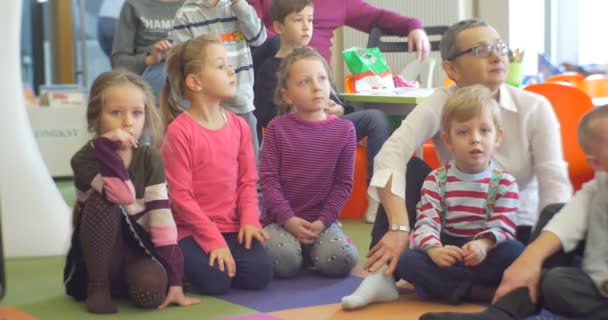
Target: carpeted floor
x,y
34,286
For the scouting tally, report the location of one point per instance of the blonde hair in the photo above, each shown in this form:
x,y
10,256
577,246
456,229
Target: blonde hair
x,y
184,59
108,79
299,53
587,126
466,103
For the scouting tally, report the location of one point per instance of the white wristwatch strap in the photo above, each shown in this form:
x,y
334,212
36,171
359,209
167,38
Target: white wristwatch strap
x,y
399,227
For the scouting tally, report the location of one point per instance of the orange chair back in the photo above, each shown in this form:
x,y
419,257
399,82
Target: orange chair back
x,y
448,82
349,84
355,206
596,86
569,104
574,78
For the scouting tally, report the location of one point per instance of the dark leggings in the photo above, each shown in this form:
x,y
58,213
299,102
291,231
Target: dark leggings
x,y
253,267
112,258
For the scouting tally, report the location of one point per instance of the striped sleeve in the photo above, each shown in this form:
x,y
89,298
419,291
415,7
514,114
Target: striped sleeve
x,y
163,230
427,229
181,31
343,180
117,184
249,23
275,202
503,222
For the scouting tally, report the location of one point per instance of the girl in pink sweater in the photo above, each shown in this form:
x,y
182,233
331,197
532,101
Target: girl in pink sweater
x,y
211,171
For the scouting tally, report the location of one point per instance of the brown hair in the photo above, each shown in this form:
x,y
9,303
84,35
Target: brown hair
x,y
466,103
117,77
448,46
587,126
185,58
280,9
299,53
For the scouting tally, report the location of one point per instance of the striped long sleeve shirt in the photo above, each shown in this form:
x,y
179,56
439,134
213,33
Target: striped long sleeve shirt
x,y
466,200
141,190
238,26
306,169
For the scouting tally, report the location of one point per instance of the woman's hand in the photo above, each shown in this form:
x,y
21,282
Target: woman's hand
x,y
387,251
417,39
249,232
225,261
175,295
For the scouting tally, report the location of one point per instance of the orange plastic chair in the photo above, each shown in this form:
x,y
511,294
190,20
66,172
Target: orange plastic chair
x,y
574,78
569,104
448,82
596,86
349,84
429,155
355,206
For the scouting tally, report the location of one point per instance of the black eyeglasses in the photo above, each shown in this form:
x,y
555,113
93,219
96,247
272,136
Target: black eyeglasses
x,y
484,51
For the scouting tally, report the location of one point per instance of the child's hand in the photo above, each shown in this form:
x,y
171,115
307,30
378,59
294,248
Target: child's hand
x,y
159,52
249,232
123,139
176,295
334,109
318,227
476,251
224,259
301,229
445,256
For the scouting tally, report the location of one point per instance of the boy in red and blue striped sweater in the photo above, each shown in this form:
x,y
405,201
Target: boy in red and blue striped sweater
x,y
464,234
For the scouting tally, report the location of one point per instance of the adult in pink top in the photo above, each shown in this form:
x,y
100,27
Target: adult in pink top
x,y
330,15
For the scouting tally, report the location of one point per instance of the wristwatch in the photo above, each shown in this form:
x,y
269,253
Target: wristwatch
x,y
399,227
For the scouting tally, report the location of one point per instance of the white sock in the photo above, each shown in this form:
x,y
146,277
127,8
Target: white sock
x,y
376,287
372,210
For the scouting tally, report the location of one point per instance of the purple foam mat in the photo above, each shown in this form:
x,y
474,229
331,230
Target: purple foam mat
x,y
258,316
305,290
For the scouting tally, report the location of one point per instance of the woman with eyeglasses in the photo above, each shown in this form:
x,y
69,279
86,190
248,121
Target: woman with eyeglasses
x,y
473,53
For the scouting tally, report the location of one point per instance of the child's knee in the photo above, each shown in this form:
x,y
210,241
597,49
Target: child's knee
x,y
286,262
259,273
335,259
146,283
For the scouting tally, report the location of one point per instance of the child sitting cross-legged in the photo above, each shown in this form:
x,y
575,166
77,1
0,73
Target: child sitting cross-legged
x,y
464,234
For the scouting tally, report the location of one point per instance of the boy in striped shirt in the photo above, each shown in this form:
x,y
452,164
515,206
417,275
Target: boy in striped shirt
x,y
238,25
464,235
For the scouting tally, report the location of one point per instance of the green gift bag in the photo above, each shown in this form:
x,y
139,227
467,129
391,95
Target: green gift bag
x,y
369,68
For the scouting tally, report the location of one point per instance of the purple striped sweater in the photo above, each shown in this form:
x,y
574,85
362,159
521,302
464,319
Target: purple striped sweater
x,y
306,168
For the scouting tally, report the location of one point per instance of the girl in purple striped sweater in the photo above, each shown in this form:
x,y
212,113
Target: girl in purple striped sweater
x,y
125,240
306,172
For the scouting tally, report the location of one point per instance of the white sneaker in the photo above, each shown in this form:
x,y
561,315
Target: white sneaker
x,y
371,211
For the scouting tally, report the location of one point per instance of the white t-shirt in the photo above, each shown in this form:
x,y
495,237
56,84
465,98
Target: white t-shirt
x,y
531,150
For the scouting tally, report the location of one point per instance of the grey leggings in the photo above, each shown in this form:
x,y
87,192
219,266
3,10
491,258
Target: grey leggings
x,y
333,254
